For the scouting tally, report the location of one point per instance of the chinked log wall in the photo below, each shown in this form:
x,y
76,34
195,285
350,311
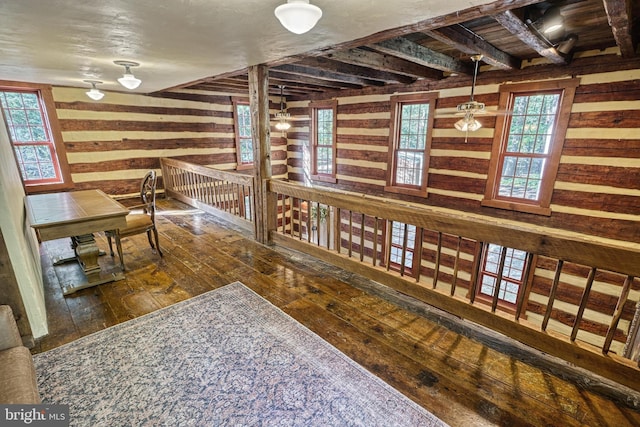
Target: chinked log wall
x,y
300,226
597,191
359,246
112,143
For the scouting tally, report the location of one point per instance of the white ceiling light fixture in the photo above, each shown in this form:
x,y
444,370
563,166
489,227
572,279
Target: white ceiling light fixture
x,y
128,80
94,93
282,117
298,16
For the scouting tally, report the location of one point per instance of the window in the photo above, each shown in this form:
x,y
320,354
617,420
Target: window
x,y
527,145
398,246
323,140
30,116
410,141
244,139
513,274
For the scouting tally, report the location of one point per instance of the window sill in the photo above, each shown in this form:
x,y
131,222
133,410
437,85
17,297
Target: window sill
x,y
244,167
47,188
515,206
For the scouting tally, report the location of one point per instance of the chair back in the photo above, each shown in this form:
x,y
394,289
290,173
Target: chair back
x,y
148,194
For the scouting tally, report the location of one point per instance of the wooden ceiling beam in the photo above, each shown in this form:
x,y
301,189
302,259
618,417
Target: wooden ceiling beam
x,y
302,80
619,17
470,43
320,74
414,52
515,26
366,58
355,70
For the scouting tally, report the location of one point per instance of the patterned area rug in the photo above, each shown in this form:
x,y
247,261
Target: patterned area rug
x,y
224,358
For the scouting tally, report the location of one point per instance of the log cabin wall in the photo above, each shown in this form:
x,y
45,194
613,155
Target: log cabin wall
x,y
112,143
597,190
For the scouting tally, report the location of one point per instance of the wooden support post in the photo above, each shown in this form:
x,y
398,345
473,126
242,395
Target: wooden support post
x,y
261,134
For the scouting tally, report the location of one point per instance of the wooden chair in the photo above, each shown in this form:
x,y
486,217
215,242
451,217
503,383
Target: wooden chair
x,y
138,223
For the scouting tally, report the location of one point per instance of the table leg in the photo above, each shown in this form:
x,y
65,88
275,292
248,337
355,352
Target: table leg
x,y
87,254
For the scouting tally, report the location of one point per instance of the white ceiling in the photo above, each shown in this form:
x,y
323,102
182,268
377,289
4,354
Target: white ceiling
x,y
63,42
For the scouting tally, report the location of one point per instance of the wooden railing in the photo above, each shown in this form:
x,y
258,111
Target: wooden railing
x,y
227,194
442,267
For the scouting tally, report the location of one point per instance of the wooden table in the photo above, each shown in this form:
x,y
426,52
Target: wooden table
x,y
77,214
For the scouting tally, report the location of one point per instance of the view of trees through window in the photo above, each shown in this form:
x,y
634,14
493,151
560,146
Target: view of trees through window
x,y
528,145
30,137
410,153
243,134
324,138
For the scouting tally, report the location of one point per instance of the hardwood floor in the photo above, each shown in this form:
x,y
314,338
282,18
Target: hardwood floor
x,y
457,378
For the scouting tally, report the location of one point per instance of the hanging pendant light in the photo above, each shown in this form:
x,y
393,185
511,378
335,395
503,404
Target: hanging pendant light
x,y
298,16
468,123
282,117
128,80
94,93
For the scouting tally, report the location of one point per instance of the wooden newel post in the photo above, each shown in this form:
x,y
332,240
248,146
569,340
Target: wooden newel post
x,y
261,132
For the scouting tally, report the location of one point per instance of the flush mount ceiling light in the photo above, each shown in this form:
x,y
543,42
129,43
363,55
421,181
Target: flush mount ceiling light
x,y
298,16
94,93
128,80
281,116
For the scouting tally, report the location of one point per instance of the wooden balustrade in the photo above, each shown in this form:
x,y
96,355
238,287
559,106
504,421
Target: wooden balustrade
x,y
442,265
227,194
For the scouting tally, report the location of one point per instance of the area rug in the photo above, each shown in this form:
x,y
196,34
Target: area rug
x,y
224,358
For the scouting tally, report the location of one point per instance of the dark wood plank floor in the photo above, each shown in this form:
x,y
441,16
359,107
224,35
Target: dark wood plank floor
x,y
458,379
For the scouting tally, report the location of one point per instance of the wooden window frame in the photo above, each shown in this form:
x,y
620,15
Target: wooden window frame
x,y
397,101
314,106
501,133
524,287
48,108
238,140
387,245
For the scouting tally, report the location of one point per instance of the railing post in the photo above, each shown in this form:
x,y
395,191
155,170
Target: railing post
x,y
261,133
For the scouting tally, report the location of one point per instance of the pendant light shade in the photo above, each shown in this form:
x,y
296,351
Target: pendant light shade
x,y
298,16
128,80
94,93
468,123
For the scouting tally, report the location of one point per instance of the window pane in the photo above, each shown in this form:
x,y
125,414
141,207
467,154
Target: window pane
x,y
324,141
512,274
30,137
409,168
397,243
528,145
